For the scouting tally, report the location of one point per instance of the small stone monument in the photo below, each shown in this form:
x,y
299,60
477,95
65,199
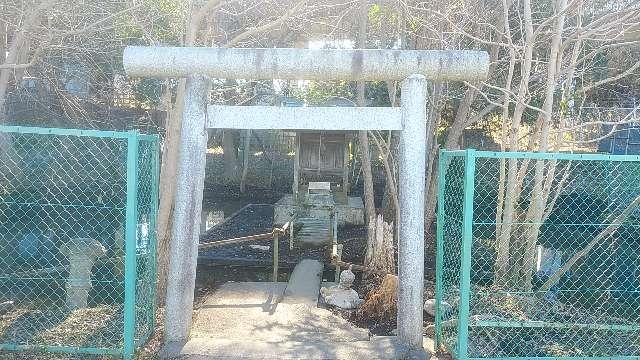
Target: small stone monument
x,y
82,254
430,308
342,295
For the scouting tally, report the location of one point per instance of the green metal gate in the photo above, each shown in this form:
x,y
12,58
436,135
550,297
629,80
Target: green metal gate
x,y
77,240
538,255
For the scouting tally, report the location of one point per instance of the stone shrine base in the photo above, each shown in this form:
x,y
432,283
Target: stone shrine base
x,y
350,210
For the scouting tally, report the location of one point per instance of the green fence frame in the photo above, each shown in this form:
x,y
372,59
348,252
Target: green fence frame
x,y
142,182
463,165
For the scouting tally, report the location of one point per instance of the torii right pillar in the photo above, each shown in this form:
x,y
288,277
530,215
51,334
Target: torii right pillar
x,y
411,176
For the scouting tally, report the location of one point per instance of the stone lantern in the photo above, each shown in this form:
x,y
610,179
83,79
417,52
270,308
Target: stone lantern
x,y
82,254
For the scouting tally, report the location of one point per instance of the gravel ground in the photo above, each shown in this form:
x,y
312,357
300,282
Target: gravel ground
x,y
99,326
565,340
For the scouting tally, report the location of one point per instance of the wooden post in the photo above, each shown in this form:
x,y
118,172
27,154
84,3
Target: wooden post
x,y
276,259
345,168
319,154
291,227
336,279
335,226
296,169
336,249
245,160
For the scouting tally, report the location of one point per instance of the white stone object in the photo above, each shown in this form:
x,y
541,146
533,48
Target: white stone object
x,y
342,295
6,306
260,247
430,308
319,187
549,261
82,254
347,277
343,298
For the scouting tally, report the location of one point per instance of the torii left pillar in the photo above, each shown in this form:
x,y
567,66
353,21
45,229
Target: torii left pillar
x,y
186,230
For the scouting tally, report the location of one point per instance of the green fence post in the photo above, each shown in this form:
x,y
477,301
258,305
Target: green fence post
x,y
465,262
153,239
130,246
440,223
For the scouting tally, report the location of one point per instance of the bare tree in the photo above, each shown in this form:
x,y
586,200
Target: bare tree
x,y
196,33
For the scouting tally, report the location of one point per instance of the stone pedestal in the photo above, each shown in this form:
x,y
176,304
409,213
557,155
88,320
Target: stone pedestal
x,y
82,254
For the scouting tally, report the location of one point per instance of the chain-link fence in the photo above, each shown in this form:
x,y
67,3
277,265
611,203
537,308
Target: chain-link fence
x,y
77,240
538,255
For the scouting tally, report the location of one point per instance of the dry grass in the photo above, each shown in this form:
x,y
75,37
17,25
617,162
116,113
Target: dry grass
x,y
381,302
99,326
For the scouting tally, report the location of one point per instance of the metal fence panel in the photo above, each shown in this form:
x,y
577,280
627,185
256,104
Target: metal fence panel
x,y
538,255
77,240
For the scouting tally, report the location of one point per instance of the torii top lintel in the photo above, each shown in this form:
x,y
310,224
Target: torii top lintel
x,y
308,64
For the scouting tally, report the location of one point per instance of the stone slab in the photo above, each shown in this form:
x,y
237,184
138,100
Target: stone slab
x,y
322,187
304,283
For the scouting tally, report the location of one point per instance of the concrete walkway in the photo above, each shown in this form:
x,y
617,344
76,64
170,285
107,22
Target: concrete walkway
x,y
255,311
250,320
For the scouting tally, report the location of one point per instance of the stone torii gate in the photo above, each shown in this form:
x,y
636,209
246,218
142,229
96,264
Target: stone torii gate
x,y
414,67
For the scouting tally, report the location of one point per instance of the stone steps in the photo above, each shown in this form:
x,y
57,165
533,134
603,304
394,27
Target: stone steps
x,y
313,232
378,348
250,320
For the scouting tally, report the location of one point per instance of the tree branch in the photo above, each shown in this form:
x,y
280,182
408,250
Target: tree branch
x,y
614,224
256,30
623,74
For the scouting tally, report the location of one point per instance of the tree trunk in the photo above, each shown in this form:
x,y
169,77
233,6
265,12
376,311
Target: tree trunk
x,y
431,190
245,159
16,50
3,42
230,156
380,253
363,138
539,196
503,266
167,189
171,150
456,130
12,54
169,170
503,135
388,208
390,153
431,179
